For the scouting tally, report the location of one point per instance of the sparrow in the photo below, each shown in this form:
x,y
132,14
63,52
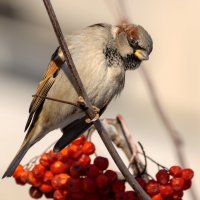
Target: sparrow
x,y
102,53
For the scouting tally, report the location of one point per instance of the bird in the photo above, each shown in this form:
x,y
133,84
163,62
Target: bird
x,y
102,54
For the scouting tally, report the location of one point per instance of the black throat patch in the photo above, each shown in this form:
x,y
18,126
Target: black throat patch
x,y
112,56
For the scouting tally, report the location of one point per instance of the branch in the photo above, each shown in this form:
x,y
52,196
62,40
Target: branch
x,y
90,111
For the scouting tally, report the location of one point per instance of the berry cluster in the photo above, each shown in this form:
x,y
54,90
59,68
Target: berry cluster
x,y
70,175
170,184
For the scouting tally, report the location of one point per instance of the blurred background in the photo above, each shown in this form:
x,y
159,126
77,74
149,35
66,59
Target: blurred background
x,y
27,41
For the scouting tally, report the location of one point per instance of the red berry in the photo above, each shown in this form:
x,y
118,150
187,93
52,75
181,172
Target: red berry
x,y
177,183
60,195
19,181
101,181
63,154
77,196
48,176
119,196
101,162
187,185
84,160
166,190
24,177
46,188
76,170
58,167
75,151
39,171
152,187
142,182
60,181
118,186
177,195
49,195
33,180
88,148
111,175
157,197
74,185
44,160
175,171
79,141
93,197
69,162
35,192
92,171
88,185
162,176
130,195
187,174
18,171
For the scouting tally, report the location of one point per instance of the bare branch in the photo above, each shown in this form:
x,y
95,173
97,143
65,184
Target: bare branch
x,y
90,111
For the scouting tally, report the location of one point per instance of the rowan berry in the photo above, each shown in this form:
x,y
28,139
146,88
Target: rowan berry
x,y
92,171
33,180
76,170
177,183
35,193
48,176
162,176
18,171
142,182
58,167
187,174
38,171
84,160
118,186
79,141
187,184
44,160
46,188
166,190
101,162
152,187
88,185
24,177
157,197
75,151
60,195
101,181
130,195
88,148
177,195
74,185
111,175
60,181
175,171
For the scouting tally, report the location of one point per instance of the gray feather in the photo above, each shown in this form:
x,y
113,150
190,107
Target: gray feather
x,y
17,159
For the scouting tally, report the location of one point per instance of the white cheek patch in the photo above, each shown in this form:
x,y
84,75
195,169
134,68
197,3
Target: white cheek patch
x,y
123,45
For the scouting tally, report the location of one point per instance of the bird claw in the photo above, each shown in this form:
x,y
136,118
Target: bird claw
x,y
96,110
88,120
82,104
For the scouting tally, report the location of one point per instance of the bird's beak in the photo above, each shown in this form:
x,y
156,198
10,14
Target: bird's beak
x,y
141,54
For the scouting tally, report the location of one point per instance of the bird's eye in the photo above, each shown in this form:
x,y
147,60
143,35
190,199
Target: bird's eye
x,y
135,44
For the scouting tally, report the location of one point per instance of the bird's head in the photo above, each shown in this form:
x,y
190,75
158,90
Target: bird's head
x,y
134,44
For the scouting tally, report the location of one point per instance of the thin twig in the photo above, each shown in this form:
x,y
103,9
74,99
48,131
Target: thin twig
x,y
57,100
90,111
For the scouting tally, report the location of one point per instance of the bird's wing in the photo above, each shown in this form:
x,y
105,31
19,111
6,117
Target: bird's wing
x,y
43,88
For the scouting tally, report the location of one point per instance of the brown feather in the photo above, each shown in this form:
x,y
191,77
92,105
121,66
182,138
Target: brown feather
x,y
43,88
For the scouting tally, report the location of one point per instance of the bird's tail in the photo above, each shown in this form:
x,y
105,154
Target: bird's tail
x,y
17,159
33,136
